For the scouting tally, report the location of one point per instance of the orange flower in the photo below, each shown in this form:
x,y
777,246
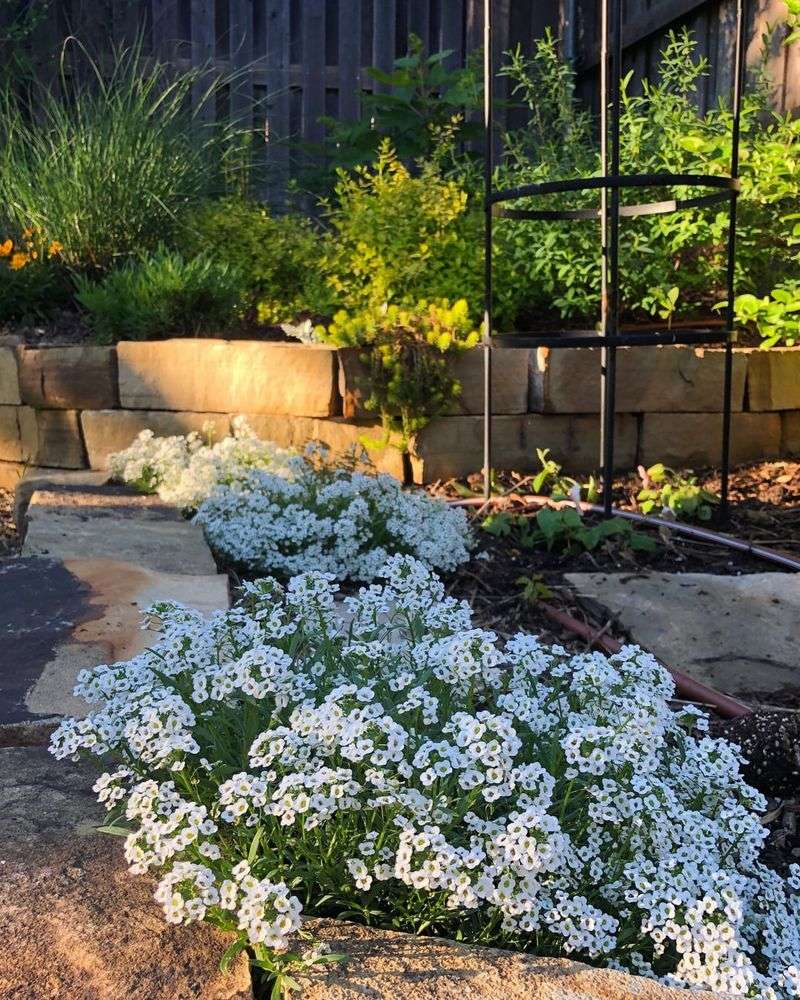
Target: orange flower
x,y
18,261
54,249
6,248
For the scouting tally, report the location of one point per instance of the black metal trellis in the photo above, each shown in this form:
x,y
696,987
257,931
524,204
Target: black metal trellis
x,y
610,211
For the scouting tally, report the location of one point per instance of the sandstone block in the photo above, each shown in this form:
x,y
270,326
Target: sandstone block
x,y
229,376
339,435
109,431
67,378
694,440
453,446
509,381
790,433
9,376
19,434
10,474
659,379
773,379
74,923
385,965
59,439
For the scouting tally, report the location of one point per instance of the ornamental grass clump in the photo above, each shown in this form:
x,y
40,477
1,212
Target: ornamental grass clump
x,y
396,765
185,469
330,517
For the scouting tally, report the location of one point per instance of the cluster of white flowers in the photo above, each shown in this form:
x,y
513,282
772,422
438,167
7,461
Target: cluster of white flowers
x,y
185,469
334,520
274,511
398,760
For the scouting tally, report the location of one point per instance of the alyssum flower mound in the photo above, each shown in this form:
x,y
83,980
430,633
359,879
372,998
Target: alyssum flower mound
x,y
273,511
332,519
185,469
396,763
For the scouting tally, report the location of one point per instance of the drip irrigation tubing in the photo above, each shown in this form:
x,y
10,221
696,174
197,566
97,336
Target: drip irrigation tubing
x,y
687,687
690,530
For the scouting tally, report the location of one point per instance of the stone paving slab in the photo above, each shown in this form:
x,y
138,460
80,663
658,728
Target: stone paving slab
x,y
73,922
736,633
111,523
387,965
59,617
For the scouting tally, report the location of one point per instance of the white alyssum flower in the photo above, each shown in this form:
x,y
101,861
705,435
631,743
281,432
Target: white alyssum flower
x,y
185,469
272,511
405,763
335,520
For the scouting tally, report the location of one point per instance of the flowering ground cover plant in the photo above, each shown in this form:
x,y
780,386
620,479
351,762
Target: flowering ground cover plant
x,y
268,510
332,518
396,765
185,469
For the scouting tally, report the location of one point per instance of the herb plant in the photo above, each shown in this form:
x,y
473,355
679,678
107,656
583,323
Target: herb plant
x,y
776,316
397,765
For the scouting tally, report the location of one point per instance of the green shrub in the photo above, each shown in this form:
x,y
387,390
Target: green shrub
x,y
397,238
427,102
404,350
162,295
776,316
278,258
107,169
671,265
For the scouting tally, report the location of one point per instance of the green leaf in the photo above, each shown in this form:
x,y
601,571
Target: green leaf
x,y
115,830
231,952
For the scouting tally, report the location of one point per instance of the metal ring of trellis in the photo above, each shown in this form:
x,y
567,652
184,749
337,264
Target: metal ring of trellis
x,y
610,183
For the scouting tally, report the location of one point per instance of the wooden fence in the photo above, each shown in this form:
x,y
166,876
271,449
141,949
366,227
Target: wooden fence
x,y
646,23
296,60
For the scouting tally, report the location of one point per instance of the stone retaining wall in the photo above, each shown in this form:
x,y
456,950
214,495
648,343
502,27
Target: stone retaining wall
x,y
71,407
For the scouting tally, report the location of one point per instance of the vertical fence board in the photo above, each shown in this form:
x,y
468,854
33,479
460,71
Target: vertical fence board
x,y
452,33
419,20
240,54
276,110
349,76
384,39
202,53
166,29
313,69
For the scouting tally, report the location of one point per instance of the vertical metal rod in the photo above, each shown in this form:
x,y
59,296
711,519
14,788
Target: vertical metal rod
x,y
611,229
730,317
488,164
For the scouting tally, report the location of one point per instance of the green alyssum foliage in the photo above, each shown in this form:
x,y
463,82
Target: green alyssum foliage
x,y
107,168
666,491
276,256
671,265
162,294
566,530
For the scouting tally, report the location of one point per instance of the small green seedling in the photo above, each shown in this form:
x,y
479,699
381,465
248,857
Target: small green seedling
x,y
565,529
666,491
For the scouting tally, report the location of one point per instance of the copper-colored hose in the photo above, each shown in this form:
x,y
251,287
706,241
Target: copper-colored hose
x,y
687,687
